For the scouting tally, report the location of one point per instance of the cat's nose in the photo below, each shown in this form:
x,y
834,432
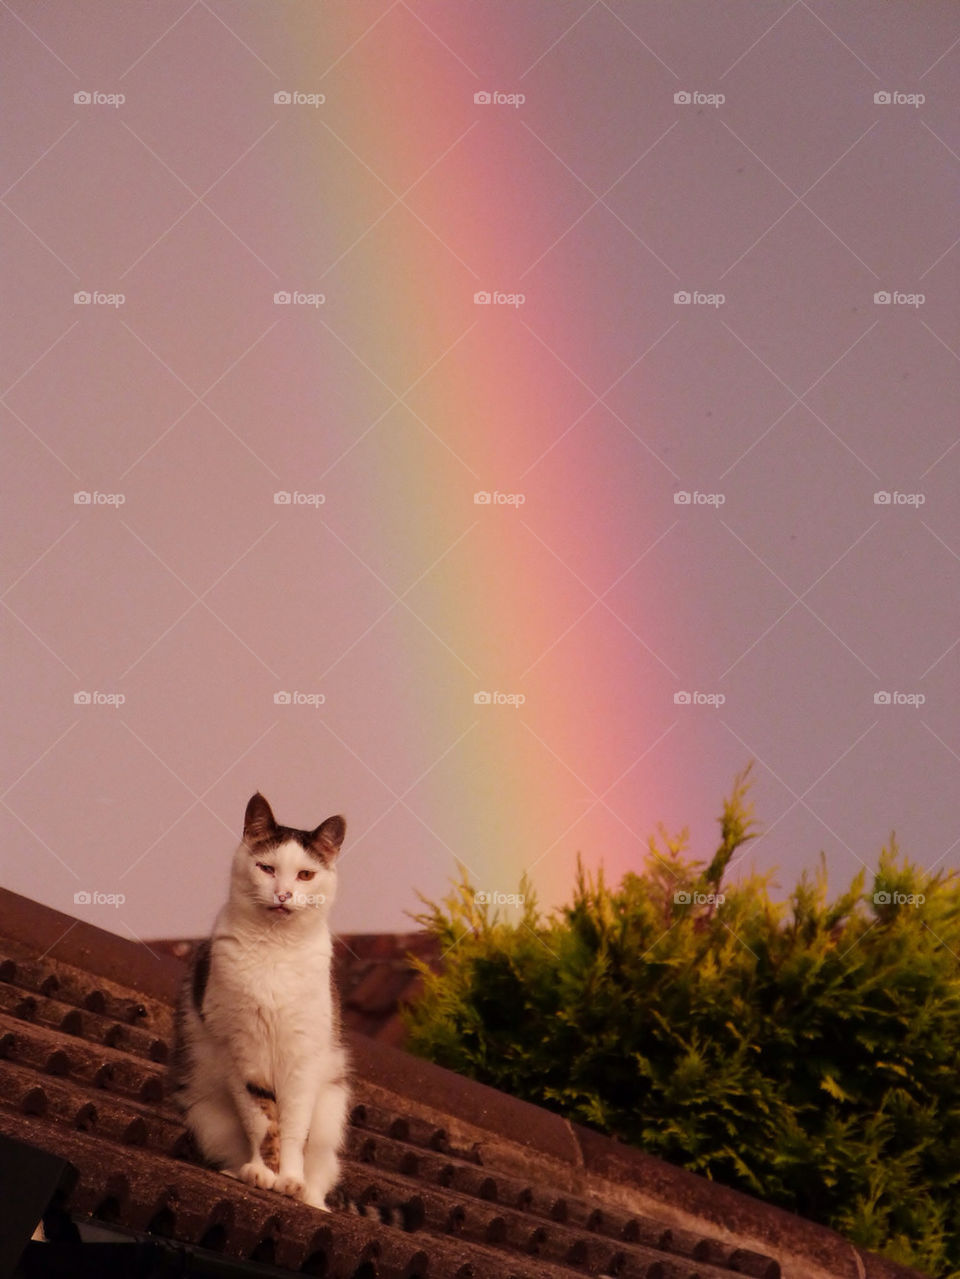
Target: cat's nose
x,y
280,898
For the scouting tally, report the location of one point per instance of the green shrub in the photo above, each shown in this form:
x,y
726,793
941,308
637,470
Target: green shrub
x,y
805,1052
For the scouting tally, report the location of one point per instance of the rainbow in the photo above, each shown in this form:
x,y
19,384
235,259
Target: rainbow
x,y
494,498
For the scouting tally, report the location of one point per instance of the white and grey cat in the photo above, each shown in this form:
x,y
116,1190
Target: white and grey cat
x,y
258,1053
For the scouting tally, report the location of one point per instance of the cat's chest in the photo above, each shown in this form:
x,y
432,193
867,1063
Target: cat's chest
x,y
277,989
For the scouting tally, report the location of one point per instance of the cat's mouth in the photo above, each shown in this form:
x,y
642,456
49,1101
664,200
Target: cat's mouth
x,y
280,909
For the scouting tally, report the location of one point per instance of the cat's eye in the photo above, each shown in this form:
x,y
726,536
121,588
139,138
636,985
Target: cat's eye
x,y
267,870
306,874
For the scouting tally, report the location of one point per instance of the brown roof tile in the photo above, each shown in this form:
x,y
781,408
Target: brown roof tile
x,y
494,1188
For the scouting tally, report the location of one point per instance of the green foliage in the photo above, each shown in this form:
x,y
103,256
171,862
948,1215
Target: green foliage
x,y
805,1052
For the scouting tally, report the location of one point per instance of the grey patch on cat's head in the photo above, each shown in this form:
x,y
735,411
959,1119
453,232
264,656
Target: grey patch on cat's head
x,y
261,831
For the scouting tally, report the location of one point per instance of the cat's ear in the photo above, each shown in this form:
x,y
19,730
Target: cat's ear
x,y
328,837
258,822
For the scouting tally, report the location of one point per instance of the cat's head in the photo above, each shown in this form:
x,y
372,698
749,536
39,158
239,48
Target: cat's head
x,y
281,872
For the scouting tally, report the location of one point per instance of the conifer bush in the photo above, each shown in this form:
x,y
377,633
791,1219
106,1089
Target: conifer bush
x,y
806,1052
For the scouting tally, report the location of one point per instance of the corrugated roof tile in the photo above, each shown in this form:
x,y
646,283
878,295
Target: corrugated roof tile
x,y
490,1188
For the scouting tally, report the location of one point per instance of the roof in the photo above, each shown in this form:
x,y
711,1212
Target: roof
x,y
373,973
495,1188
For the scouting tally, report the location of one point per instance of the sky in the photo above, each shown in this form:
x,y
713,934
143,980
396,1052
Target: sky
x,y
496,422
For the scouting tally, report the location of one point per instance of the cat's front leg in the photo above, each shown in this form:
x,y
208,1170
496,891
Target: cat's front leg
x,y
321,1160
295,1101
256,1124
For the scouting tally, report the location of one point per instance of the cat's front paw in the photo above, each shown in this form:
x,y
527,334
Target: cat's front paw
x,y
256,1173
289,1184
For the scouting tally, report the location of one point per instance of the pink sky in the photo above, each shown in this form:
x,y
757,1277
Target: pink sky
x,y
783,197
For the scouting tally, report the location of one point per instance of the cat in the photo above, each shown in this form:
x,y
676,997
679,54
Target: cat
x,y
258,1052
